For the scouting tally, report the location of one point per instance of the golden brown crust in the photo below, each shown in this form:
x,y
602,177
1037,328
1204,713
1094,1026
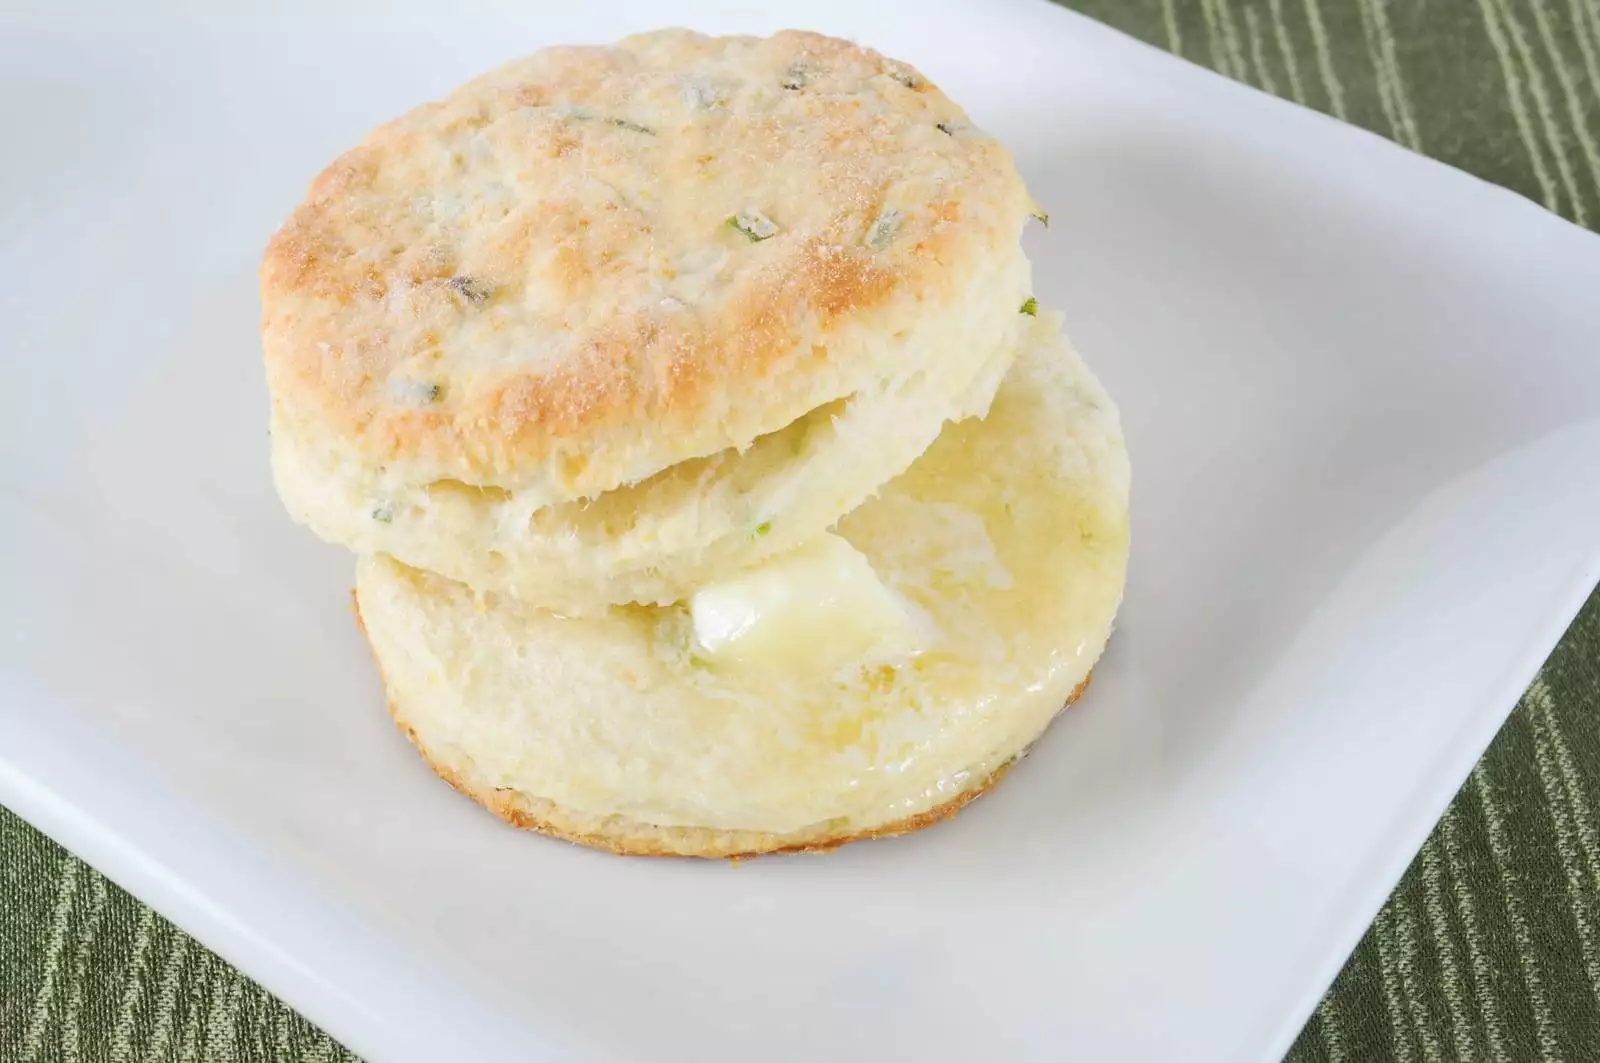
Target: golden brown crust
x,y
626,837
533,282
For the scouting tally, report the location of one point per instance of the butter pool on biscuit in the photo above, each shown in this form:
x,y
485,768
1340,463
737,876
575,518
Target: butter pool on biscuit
x,y
717,486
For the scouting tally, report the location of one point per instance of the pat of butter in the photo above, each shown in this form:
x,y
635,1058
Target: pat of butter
x,y
816,607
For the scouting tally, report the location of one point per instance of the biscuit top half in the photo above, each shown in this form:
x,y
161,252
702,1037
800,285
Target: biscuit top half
x,y
597,262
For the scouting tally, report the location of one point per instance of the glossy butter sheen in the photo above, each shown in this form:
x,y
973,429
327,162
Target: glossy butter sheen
x,y
1009,534
813,608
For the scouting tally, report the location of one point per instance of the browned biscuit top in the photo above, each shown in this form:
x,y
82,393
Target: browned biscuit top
x,y
596,262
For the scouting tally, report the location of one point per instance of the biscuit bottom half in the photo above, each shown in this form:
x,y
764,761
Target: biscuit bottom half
x,y
1009,537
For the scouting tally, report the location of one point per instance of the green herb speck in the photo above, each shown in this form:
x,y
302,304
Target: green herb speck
x,y
472,291
632,127
383,512
1041,217
408,392
883,230
583,114
762,528
1031,307
755,225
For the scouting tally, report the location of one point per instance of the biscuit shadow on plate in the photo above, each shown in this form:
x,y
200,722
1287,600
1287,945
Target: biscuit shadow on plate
x,y
1270,454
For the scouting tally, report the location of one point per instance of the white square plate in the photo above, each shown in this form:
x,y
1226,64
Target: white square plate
x,y
1362,393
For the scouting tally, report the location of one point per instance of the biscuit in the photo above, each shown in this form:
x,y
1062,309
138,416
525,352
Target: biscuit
x,y
597,263
1010,534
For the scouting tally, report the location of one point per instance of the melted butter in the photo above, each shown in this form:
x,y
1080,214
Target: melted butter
x,y
1009,533
812,609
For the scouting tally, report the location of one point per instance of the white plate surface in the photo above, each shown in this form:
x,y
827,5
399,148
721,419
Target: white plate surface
x,y
1362,393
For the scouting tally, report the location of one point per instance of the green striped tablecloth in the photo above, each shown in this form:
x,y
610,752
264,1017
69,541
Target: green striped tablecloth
x,y
1490,947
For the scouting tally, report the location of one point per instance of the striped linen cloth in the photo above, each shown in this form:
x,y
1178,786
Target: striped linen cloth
x,y
1490,947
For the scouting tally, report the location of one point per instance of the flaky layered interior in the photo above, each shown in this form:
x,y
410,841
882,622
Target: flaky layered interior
x,y
1008,536
654,542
